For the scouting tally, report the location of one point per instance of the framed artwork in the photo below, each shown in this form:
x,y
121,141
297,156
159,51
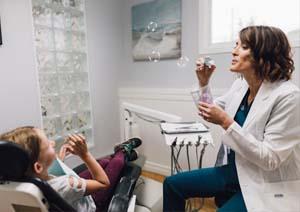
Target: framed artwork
x,y
156,30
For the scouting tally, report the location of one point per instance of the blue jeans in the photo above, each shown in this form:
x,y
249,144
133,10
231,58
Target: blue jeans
x,y
208,182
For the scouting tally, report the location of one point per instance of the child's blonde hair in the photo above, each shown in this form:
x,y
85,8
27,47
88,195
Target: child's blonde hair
x,y
28,138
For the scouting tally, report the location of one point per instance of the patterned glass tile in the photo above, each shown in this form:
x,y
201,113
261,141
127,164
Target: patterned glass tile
x,y
45,60
57,3
78,42
82,83
67,82
64,60
44,38
79,4
83,100
79,62
48,84
50,105
52,127
87,133
69,123
41,15
62,40
59,18
84,119
67,103
77,22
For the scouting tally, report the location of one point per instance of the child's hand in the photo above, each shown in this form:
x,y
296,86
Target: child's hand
x,y
77,145
64,151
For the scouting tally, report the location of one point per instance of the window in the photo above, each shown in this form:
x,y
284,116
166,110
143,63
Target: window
x,y
60,41
220,21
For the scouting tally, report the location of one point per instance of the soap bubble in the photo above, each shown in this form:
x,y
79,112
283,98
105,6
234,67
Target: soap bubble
x,y
182,61
152,26
154,56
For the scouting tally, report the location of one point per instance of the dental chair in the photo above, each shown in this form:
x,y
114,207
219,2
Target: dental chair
x,y
24,194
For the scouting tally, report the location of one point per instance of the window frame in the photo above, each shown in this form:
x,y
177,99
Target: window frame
x,y
204,32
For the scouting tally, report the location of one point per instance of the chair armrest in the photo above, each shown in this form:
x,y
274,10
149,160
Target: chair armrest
x,y
124,189
80,168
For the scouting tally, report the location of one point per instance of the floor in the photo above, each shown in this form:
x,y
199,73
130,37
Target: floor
x,y
209,205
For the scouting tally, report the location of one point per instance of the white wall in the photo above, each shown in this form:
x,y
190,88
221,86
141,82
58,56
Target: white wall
x,y
18,76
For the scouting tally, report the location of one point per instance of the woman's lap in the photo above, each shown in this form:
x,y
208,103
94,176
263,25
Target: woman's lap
x,y
206,182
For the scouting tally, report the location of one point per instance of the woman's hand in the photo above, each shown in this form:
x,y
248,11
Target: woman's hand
x,y
203,72
214,114
77,145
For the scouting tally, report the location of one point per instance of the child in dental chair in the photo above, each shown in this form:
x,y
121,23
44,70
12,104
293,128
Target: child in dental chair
x,y
92,190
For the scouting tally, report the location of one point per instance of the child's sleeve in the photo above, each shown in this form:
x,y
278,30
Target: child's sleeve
x,y
71,188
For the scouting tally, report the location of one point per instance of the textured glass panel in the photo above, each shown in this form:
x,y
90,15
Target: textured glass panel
x,y
87,133
41,15
45,60
44,38
62,40
67,82
68,103
77,22
68,21
62,64
82,83
79,62
69,123
79,4
76,4
57,2
52,126
66,3
84,119
59,19
83,100
64,60
50,105
78,42
48,84
72,3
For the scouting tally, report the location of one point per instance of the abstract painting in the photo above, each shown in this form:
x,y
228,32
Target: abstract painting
x,y
156,30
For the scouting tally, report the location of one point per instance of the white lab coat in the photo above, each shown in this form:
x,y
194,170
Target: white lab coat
x,y
267,147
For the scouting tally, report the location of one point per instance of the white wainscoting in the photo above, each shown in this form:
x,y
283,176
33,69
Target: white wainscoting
x,y
174,101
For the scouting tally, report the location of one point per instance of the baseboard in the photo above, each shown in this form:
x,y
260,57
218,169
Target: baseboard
x,y
157,168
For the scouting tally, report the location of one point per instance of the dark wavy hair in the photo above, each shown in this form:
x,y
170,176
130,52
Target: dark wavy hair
x,y
270,52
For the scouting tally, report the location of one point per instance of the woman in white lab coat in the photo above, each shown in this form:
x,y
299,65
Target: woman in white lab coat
x,y
258,164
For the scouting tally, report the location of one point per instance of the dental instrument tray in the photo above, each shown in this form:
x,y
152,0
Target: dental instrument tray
x,y
183,127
